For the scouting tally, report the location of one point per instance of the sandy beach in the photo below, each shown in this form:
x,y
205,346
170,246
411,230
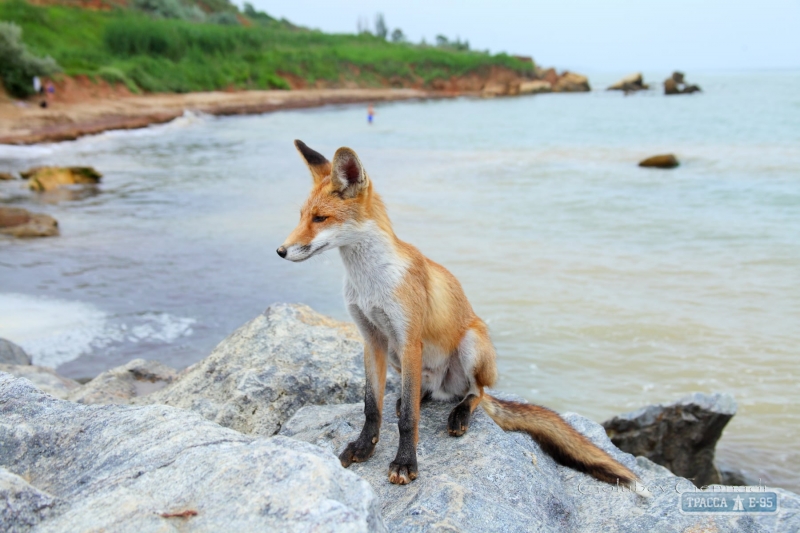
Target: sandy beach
x,y
26,123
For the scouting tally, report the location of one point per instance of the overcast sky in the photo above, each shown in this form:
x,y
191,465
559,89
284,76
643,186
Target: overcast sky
x,y
589,35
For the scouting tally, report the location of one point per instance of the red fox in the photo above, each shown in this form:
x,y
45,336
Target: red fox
x,y
413,315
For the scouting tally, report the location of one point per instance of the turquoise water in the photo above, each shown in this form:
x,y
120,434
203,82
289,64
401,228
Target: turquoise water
x,y
606,287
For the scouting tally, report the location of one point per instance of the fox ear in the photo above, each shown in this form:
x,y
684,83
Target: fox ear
x,y
348,175
317,164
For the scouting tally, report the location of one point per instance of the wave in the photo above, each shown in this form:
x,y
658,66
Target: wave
x,y
54,331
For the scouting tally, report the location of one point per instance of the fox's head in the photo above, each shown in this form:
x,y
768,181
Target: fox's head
x,y
340,209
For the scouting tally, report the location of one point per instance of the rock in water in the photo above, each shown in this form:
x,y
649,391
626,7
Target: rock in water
x,y
119,385
570,82
681,436
49,178
633,82
492,480
535,87
675,84
157,468
43,378
6,176
11,354
258,377
18,222
660,161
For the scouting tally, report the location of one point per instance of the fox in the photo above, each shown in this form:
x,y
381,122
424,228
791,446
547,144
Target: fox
x,y
413,314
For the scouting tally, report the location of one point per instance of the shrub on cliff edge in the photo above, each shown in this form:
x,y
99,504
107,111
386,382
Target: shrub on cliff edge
x,y
17,65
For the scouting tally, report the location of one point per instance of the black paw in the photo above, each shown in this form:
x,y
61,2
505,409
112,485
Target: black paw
x,y
397,407
458,421
357,452
402,472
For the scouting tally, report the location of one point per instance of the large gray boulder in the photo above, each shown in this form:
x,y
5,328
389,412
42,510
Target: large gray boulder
x,y
43,378
258,377
11,354
491,480
156,468
681,436
120,385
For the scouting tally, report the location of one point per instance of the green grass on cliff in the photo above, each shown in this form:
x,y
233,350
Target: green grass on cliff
x,y
168,55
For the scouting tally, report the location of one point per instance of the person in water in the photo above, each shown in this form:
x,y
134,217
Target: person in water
x,y
370,113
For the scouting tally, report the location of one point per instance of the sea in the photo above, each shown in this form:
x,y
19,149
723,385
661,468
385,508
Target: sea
x,y
606,286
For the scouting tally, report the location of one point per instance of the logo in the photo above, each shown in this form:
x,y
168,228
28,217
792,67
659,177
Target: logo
x,y
728,502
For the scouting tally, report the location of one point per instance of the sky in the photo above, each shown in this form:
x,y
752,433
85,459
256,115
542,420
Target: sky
x,y
587,35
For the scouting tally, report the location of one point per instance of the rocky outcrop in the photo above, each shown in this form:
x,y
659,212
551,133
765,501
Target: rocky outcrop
x,y
43,179
535,87
258,377
660,161
6,176
681,436
156,468
21,223
630,83
43,378
120,385
11,354
570,82
675,84
491,480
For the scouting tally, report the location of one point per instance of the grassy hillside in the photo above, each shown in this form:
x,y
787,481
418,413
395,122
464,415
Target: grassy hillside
x,y
156,54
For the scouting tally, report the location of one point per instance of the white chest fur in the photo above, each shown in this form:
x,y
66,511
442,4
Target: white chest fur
x,y
374,271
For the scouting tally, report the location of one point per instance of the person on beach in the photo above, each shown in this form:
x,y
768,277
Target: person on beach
x,y
370,113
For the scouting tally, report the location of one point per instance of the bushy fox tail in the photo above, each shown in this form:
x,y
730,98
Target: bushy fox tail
x,y
560,440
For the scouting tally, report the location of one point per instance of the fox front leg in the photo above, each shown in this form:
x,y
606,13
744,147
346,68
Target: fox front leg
x,y
363,447
403,469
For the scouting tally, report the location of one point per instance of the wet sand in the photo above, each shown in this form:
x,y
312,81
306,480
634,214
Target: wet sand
x,y
30,124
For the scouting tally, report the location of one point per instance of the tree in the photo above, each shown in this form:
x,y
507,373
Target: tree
x,y
17,65
442,41
398,36
380,26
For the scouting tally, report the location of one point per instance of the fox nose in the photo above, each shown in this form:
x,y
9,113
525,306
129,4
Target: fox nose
x,y
282,251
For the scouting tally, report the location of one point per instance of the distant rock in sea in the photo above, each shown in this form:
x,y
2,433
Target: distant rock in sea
x,y
630,83
660,161
11,354
675,84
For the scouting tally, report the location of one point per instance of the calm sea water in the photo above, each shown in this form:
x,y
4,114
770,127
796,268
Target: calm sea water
x,y
606,286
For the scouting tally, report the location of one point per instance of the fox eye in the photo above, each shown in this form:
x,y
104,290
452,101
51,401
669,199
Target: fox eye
x,y
319,218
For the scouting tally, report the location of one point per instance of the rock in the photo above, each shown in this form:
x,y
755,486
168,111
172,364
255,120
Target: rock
x,y
491,480
21,223
569,82
630,83
21,505
49,178
44,379
675,84
157,468
258,377
680,436
11,354
550,75
660,161
535,87
6,176
119,385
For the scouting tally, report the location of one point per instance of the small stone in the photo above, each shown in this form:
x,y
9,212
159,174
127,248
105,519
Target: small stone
x,y
11,354
660,161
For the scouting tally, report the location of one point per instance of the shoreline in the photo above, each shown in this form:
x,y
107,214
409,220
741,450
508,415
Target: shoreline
x,y
69,121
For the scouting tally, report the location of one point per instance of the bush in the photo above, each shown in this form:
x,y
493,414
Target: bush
x,y
114,75
17,65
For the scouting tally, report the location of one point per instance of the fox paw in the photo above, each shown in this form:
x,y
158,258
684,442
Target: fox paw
x,y
458,421
402,474
357,452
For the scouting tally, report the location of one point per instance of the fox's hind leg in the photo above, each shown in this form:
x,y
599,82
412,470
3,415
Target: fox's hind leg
x,y
476,366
